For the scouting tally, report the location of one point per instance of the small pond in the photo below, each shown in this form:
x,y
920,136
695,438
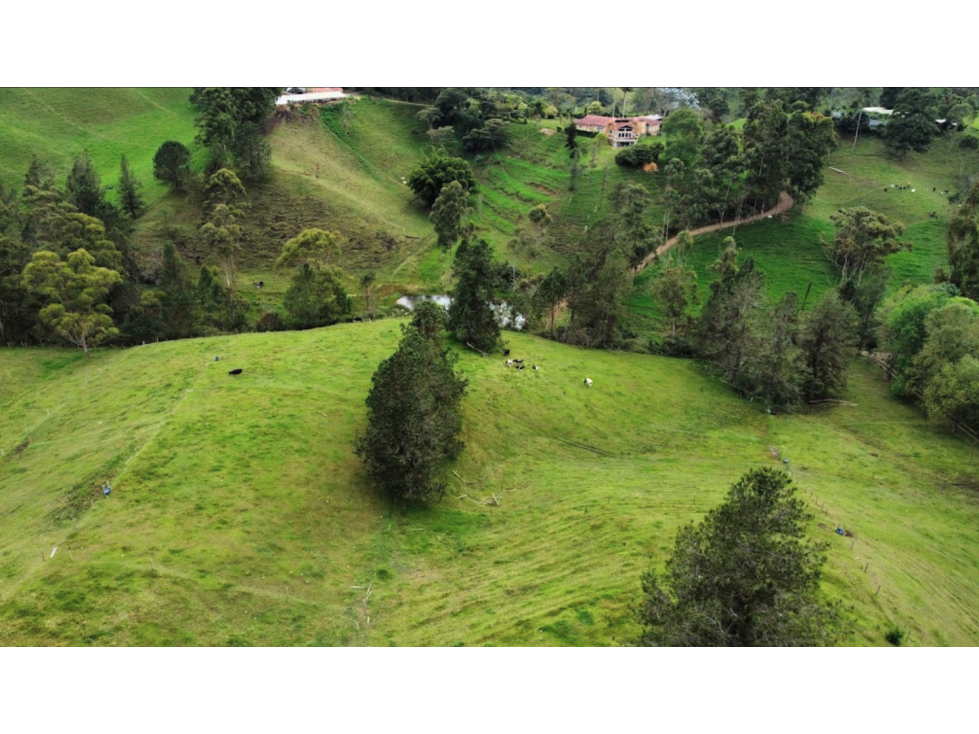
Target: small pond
x,y
504,314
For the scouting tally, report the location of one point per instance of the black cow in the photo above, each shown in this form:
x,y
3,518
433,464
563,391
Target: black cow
x,y
235,372
506,352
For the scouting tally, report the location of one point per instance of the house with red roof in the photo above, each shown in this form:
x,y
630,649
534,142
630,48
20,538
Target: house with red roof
x,y
620,131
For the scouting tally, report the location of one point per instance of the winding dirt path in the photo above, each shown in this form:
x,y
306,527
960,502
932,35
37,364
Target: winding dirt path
x,y
785,202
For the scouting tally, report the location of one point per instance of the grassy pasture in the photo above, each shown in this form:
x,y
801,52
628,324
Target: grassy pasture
x,y
239,514
58,124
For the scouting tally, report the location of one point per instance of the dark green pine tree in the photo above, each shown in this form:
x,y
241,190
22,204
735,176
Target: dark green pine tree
x,y
84,188
171,164
414,420
129,198
746,576
181,307
471,315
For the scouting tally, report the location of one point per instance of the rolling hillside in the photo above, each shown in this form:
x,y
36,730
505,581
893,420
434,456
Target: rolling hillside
x,y
58,124
239,514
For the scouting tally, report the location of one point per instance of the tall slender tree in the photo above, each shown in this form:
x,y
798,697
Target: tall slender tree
x,y
129,197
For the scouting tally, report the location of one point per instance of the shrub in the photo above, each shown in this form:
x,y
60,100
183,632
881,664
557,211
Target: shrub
x,y
896,636
640,154
269,321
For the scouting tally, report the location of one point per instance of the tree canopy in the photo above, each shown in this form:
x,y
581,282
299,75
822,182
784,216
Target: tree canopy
x,y
746,576
75,291
414,420
471,316
437,171
171,164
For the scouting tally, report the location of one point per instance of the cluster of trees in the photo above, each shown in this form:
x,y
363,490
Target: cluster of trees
x,y
913,125
776,352
597,277
66,268
746,576
718,174
476,117
931,334
231,124
68,272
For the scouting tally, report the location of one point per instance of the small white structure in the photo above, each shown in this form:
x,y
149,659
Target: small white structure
x,y
317,96
588,382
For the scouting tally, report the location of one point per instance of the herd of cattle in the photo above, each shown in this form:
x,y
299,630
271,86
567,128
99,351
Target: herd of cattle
x,y
518,364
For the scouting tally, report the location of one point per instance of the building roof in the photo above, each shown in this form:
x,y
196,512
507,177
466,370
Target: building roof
x,y
594,120
601,120
310,97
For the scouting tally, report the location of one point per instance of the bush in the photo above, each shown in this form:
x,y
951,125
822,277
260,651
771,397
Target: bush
x,y
640,154
969,142
269,321
896,636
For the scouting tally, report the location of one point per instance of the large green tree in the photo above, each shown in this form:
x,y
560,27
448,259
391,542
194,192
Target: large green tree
x,y
675,289
75,292
863,239
316,295
726,332
912,125
471,315
177,297
17,311
84,188
171,164
826,342
437,171
414,420
963,245
746,576
549,295
953,394
449,214
682,131
129,197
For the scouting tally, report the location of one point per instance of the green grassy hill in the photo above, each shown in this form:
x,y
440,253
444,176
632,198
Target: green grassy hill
x,y
58,124
789,249
239,514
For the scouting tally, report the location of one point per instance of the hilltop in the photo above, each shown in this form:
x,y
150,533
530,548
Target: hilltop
x,y
239,514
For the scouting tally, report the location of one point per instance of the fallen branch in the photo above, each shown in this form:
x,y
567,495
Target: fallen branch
x,y
478,350
843,173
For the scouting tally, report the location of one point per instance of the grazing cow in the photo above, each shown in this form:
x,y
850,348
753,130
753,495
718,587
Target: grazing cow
x,y
588,382
885,190
518,361
508,363
235,371
521,367
536,367
506,352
